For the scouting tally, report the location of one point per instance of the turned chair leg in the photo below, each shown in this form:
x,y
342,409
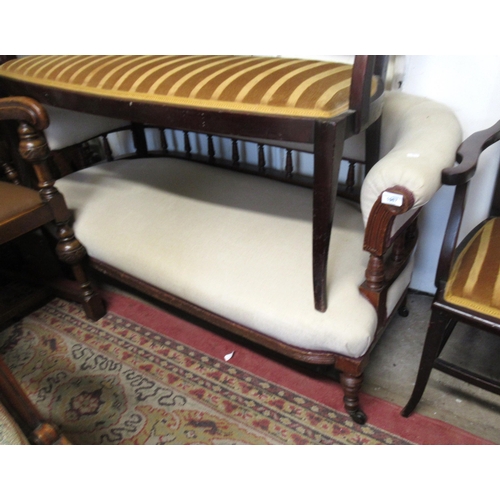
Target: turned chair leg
x,y
33,148
437,334
72,252
27,415
351,385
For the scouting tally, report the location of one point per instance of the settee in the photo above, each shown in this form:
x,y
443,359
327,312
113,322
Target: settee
x,y
232,245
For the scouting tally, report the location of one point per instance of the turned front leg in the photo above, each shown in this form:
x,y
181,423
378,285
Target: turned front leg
x,y
351,385
72,252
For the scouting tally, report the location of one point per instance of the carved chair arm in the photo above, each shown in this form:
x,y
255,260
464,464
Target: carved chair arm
x,y
379,228
380,236
33,119
468,155
24,109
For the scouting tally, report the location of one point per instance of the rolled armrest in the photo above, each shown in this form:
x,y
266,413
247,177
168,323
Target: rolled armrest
x,y
419,139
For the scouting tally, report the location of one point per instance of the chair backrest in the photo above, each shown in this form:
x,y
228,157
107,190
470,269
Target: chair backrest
x,y
495,201
365,67
460,175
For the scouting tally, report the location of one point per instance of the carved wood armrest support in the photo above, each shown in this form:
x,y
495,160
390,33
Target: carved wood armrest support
x,y
378,233
380,272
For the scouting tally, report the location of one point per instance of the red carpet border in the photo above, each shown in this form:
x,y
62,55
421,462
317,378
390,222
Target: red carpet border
x,y
143,376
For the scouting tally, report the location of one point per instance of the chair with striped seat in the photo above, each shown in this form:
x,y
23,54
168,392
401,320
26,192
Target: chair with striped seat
x,y
317,103
235,249
468,275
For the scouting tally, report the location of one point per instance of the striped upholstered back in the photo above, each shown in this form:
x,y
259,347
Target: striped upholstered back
x,y
474,282
290,87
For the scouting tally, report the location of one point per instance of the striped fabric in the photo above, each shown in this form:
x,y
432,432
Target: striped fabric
x,y
290,87
475,278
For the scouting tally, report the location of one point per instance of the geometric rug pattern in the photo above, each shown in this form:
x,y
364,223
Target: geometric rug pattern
x,y
116,381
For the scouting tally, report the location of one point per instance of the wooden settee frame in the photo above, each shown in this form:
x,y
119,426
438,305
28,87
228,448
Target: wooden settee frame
x,y
389,250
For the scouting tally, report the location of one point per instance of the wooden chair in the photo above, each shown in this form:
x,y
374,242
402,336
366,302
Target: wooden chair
x,y
23,209
467,279
317,103
222,241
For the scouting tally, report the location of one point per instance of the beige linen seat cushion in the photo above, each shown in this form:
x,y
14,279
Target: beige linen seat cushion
x,y
235,244
241,246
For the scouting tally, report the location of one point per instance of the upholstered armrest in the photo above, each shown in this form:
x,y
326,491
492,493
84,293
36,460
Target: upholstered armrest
x,y
419,139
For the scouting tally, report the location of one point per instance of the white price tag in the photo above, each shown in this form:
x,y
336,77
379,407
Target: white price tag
x,y
227,357
394,199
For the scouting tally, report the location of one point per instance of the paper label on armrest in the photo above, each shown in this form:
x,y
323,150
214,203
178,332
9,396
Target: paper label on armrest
x,y
394,199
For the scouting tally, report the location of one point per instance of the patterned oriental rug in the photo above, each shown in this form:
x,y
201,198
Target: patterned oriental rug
x,y
143,376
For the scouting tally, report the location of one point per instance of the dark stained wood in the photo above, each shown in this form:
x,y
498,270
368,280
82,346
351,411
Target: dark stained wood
x,y
211,150
163,141
33,149
328,149
262,159
351,385
378,230
289,164
139,138
326,137
364,110
444,314
389,254
187,145
235,153
26,415
468,154
360,90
